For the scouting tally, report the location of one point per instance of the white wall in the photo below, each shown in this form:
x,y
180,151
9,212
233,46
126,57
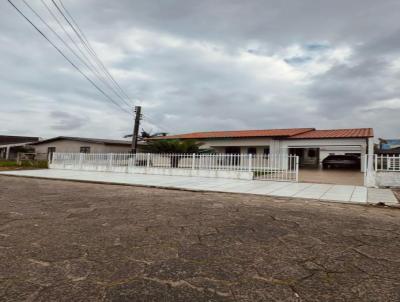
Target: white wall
x,y
70,146
244,143
245,175
387,179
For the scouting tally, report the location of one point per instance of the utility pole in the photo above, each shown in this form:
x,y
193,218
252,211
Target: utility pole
x,y
137,110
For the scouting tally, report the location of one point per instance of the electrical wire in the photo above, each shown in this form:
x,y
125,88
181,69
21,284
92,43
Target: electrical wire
x,y
82,37
65,57
79,32
86,61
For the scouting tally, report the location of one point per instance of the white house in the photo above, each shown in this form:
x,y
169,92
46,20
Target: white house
x,y
65,144
11,145
311,145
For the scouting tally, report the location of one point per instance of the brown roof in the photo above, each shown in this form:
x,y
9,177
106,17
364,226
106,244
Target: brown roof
x,y
240,133
87,140
389,151
336,133
12,139
293,133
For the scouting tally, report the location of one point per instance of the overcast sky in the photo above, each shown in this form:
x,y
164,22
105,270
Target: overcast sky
x,y
207,65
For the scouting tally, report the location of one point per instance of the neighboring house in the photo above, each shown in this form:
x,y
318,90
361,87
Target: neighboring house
x,y
393,151
311,145
65,144
11,145
387,144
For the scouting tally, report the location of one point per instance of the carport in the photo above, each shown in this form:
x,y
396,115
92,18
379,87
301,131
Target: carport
x,y
313,147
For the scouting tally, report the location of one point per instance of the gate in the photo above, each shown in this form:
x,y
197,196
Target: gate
x,y
276,167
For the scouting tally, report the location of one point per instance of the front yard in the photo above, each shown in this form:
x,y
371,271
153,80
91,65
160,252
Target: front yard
x,y
69,241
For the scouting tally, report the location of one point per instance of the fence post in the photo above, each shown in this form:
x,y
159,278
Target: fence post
x,y
134,159
193,160
148,160
250,162
297,168
80,160
110,158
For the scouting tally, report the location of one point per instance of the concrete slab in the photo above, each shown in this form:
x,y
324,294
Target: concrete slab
x,y
291,190
360,194
315,191
270,187
341,193
381,195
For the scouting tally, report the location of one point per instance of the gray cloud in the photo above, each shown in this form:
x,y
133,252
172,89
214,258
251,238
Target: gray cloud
x,y
209,65
66,122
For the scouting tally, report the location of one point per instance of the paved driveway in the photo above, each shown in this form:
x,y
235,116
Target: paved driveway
x,y
69,241
332,176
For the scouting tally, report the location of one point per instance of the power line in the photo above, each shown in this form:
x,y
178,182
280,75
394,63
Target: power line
x,y
86,61
80,34
146,117
65,57
62,40
88,45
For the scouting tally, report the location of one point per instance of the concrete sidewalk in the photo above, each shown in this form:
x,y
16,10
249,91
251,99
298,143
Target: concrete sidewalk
x,y
328,192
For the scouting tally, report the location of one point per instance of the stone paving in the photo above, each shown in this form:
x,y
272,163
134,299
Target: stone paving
x,y
72,241
325,192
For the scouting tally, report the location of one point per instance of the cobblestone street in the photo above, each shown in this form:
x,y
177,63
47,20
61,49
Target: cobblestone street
x,y
70,241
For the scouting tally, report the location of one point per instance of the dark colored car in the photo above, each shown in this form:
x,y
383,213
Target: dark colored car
x,y
341,161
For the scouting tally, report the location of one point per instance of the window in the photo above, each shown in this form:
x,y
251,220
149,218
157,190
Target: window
x,y
312,153
85,150
232,150
252,150
266,150
50,151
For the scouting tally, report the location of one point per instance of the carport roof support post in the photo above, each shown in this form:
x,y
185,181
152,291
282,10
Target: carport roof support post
x,y
7,152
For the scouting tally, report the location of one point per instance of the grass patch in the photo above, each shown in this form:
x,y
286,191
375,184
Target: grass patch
x,y
38,164
8,163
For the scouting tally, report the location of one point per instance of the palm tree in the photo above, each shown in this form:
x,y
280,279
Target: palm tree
x,y
173,147
147,134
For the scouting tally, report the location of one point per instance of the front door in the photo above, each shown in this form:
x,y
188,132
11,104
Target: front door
x,y
50,151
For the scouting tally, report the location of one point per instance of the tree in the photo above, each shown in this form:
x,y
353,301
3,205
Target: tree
x,y
173,147
147,134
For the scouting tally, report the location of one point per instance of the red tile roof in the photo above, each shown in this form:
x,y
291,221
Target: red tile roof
x,y
240,133
336,133
293,133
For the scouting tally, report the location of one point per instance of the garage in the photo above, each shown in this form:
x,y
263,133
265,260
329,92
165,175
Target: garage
x,y
331,156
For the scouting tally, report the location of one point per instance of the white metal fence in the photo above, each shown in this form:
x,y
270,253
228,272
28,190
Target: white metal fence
x,y
389,163
382,170
265,167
